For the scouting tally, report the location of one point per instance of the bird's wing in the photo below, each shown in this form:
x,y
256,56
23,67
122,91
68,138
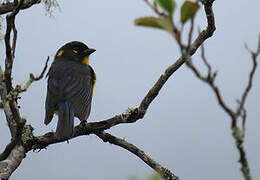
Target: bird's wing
x,y
79,91
51,98
69,81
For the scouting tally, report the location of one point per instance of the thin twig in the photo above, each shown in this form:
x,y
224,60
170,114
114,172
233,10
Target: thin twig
x,y
205,61
18,89
209,79
251,75
190,32
237,134
43,71
155,9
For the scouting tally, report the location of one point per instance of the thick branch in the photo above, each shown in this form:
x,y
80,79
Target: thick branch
x,y
5,105
13,152
165,173
10,48
11,109
8,166
8,150
40,142
10,6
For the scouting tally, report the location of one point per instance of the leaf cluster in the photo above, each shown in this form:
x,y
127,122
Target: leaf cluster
x,y
166,12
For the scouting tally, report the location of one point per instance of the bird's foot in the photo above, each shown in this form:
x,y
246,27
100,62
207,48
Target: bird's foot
x,y
83,123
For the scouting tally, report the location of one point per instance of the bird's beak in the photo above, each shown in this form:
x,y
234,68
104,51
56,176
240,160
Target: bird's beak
x,y
89,51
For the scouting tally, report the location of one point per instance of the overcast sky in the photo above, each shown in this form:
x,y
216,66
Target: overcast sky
x,y
184,129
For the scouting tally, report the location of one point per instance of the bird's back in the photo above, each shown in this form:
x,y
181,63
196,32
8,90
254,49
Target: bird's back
x,y
73,82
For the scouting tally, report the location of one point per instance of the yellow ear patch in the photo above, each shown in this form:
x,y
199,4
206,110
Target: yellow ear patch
x,y
75,51
60,53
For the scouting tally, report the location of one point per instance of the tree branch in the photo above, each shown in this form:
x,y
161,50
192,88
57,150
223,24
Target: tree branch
x,y
250,79
10,6
11,110
205,34
209,79
237,133
165,173
15,122
8,166
19,89
8,150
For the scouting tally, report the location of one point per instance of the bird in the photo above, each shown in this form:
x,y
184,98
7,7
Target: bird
x,y
70,87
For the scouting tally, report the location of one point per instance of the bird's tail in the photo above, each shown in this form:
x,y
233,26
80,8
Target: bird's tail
x,y
65,125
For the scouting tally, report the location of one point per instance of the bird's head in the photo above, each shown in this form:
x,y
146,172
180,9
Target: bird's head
x,y
75,51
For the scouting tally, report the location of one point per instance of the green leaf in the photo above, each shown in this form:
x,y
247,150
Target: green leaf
x,y
167,5
153,22
188,10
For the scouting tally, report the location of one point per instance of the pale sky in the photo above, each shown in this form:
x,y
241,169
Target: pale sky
x,y
184,129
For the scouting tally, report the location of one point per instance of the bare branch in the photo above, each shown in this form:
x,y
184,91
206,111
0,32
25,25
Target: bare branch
x,y
14,159
237,133
8,150
10,48
250,80
43,71
40,142
10,6
11,110
210,81
18,89
165,173
205,61
205,34
7,110
13,153
190,33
